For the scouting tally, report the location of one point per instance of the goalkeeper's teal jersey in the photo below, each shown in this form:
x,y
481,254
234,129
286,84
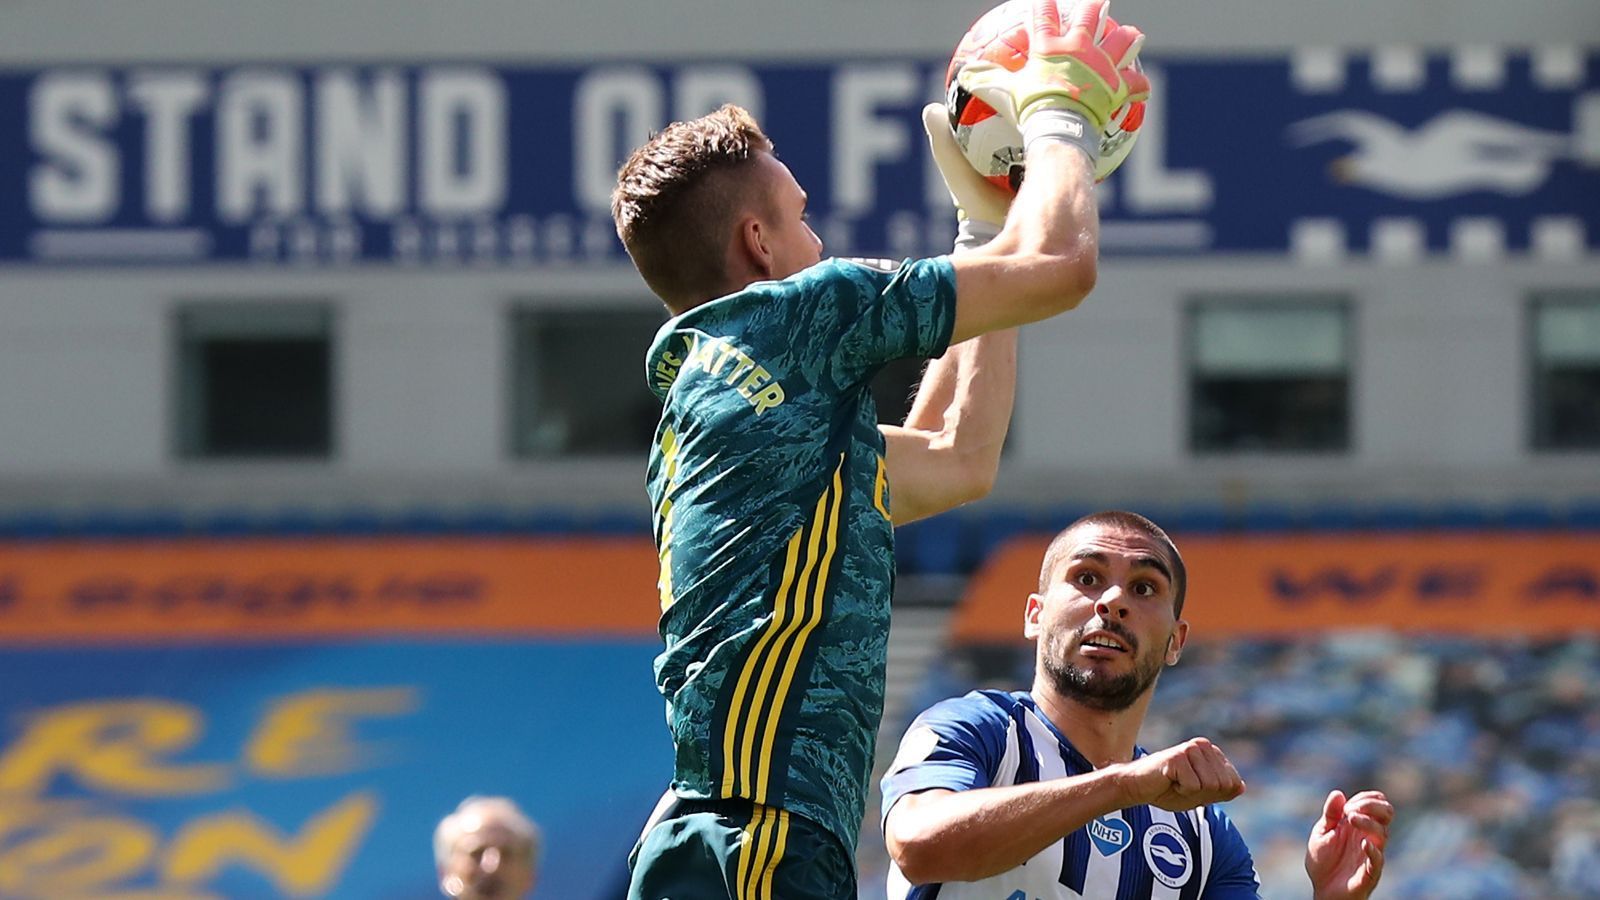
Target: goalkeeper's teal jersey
x,y
772,522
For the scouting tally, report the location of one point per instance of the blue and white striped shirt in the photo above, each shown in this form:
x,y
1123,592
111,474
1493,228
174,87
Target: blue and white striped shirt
x,y
992,739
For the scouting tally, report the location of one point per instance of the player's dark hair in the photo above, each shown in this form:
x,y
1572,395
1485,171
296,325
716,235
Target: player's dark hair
x,y
1127,521
674,202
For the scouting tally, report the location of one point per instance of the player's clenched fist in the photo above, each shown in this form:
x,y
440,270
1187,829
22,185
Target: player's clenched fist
x,y
1192,774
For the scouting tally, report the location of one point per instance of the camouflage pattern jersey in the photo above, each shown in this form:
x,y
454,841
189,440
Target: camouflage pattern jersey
x,y
772,523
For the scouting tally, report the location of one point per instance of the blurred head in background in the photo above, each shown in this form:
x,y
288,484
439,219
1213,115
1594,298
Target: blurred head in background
x,y
486,850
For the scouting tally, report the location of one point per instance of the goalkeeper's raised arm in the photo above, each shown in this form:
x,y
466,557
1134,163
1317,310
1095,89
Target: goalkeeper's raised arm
x,y
1045,259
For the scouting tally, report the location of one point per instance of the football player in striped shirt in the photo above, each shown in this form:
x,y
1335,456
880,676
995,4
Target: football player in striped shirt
x,y
1043,794
771,478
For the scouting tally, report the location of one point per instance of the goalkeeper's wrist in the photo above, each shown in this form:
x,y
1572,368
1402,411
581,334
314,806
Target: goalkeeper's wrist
x,y
1063,126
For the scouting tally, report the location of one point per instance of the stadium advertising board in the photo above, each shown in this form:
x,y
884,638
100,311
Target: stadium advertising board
x,y
1479,585
1399,154
281,719
263,589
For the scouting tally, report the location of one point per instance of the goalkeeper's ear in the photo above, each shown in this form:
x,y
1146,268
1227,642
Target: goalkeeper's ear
x,y
980,206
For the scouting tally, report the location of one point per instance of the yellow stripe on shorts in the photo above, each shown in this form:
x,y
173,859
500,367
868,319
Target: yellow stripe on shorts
x,y
766,836
777,855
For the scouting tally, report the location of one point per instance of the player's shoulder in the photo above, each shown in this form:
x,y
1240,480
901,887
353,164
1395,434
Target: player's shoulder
x,y
881,266
836,277
976,726
975,709
873,274
743,315
760,305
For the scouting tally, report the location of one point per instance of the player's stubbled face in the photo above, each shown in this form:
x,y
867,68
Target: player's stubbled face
x,y
1106,623
793,244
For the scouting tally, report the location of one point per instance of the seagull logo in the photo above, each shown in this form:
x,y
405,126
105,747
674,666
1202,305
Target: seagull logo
x,y
1455,152
1167,854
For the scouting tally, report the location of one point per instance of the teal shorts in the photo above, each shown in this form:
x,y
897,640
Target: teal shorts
x,y
735,849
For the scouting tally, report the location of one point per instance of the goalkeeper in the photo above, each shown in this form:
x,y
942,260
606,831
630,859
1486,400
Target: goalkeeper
x,y
770,478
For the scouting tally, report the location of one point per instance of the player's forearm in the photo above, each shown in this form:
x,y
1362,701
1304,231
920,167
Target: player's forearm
x,y
970,390
1046,258
971,835
978,415
937,389
1054,223
925,476
948,452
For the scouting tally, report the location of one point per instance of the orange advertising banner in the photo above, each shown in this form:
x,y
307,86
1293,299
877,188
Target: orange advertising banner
x,y
1484,585
265,589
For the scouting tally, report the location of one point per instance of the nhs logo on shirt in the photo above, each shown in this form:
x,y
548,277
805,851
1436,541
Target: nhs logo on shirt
x,y
1110,835
1167,854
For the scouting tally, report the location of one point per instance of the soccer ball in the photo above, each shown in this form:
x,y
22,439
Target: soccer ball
x,y
990,143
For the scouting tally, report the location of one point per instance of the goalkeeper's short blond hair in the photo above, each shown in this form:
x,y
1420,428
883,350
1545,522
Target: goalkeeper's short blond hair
x,y
676,201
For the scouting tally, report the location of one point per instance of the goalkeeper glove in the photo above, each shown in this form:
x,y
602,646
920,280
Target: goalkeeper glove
x,y
980,206
1073,81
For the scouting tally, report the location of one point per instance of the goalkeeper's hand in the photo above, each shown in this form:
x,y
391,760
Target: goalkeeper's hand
x,y
980,206
1086,68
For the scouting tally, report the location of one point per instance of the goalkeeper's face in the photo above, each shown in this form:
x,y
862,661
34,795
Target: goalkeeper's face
x,y
782,238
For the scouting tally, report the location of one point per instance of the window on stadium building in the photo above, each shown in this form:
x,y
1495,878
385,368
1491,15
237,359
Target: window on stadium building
x,y
254,381
578,386
1566,371
1269,374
